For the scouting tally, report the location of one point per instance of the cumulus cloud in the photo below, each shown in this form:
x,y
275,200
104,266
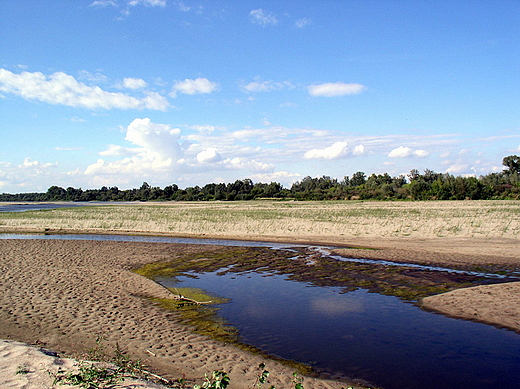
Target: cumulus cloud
x,y
63,89
35,175
332,89
192,87
400,152
158,151
209,155
337,150
403,152
134,83
358,150
262,18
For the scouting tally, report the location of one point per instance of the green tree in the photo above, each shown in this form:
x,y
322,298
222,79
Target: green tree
x,y
512,162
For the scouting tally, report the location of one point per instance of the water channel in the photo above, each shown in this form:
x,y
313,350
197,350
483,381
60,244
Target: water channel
x,y
382,339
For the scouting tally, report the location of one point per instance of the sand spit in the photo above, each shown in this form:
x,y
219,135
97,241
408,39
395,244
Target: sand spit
x,y
62,294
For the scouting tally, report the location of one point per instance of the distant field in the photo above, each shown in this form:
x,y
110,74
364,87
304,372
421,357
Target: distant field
x,y
299,220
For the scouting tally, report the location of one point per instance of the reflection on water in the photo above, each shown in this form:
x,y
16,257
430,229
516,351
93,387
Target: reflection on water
x,y
151,239
362,335
243,243
22,207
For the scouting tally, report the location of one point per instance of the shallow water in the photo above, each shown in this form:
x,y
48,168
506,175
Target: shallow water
x,y
378,338
241,243
29,206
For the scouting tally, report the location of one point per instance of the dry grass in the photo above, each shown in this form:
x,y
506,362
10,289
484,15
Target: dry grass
x,y
461,219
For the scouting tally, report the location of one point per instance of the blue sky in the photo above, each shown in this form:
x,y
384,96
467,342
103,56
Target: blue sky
x,y
118,92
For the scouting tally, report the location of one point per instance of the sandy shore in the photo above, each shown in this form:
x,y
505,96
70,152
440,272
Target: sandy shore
x,y
62,294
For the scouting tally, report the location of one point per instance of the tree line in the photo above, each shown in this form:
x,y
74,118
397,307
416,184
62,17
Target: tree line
x,y
428,185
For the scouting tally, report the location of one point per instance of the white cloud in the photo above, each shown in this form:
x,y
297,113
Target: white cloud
x,y
358,150
67,148
400,152
266,86
335,89
29,176
94,77
117,151
276,176
203,129
403,152
210,155
253,165
63,89
159,140
158,151
457,168
148,3
28,163
156,102
192,87
300,23
262,18
103,3
421,153
337,150
134,83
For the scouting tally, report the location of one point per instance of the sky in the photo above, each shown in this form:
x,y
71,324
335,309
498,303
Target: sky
x,y
119,92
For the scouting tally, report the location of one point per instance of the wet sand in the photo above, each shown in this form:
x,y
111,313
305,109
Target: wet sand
x,y
63,294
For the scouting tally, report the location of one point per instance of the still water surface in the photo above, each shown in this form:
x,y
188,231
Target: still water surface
x,y
379,338
382,339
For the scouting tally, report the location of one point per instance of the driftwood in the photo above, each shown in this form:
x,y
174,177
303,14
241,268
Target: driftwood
x,y
184,298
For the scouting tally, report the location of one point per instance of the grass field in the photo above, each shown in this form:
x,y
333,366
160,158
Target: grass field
x,y
291,219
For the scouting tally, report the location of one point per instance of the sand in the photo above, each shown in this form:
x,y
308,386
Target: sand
x,y
62,294
24,366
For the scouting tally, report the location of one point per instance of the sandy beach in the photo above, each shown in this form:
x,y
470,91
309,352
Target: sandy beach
x,y
62,294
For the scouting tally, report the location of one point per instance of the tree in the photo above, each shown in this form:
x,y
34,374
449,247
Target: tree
x,y
358,178
512,162
56,193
